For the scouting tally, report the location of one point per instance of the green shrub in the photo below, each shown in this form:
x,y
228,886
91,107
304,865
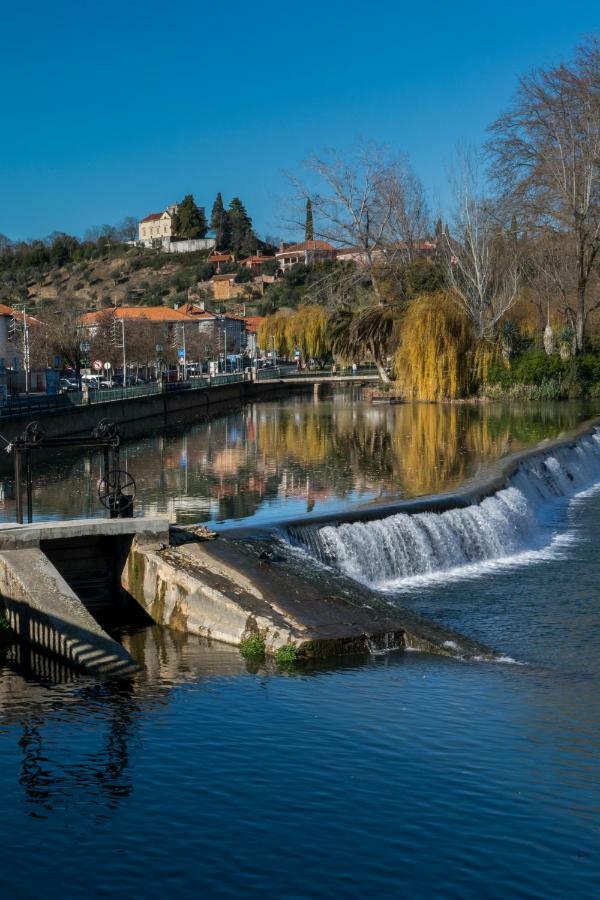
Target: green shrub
x,y
253,646
287,655
535,376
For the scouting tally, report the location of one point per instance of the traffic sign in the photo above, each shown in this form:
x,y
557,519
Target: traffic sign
x,y
181,354
97,365
107,366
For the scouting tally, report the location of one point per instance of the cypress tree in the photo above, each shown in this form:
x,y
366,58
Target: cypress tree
x,y
240,226
219,223
309,233
190,220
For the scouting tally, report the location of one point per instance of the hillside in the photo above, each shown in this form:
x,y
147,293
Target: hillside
x,y
125,276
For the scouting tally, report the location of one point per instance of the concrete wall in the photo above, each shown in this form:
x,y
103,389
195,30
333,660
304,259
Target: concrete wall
x,y
135,415
187,591
189,246
42,609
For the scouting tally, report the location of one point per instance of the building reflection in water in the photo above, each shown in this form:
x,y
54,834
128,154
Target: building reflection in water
x,y
269,460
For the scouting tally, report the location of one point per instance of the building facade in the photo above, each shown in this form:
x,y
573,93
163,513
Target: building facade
x,y
306,253
157,226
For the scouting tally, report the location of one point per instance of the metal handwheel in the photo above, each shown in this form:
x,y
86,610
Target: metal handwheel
x,y
116,491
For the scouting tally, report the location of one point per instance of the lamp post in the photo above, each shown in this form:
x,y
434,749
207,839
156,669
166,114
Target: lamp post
x,y
26,352
159,351
124,352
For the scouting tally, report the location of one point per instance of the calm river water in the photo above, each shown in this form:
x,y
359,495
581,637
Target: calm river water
x,y
270,461
399,774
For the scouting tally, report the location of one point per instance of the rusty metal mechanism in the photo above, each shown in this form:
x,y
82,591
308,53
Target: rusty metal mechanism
x,y
116,488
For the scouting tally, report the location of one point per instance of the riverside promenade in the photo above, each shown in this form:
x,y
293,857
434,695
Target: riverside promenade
x,y
77,413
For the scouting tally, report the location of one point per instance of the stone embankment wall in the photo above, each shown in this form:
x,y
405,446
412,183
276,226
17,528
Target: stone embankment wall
x,y
135,415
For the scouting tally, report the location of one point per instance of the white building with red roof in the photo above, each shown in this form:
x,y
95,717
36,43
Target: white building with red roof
x,y
157,226
307,253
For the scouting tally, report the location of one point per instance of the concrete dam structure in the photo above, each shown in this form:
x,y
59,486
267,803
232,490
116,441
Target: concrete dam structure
x,y
59,582
321,586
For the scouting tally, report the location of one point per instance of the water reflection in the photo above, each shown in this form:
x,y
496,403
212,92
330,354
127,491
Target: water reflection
x,y
272,460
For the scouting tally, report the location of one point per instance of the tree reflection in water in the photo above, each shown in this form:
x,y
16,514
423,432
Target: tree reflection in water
x,y
292,456
101,777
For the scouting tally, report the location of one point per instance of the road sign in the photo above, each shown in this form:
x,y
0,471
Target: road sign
x,y
181,354
97,365
57,362
84,346
107,366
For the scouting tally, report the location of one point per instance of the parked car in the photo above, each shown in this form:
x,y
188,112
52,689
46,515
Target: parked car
x,y
67,385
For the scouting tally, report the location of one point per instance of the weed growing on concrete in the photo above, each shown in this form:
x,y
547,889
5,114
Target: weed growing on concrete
x,y
253,646
286,655
4,624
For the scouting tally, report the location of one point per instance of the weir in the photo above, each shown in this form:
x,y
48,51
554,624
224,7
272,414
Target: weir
x,y
318,586
491,522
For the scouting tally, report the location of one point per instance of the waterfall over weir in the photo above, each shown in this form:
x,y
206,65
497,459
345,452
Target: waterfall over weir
x,y
387,553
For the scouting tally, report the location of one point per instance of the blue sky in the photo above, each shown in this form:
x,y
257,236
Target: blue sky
x,y
119,108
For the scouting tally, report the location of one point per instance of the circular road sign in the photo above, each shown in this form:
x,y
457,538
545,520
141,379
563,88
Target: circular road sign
x,y
97,365
107,366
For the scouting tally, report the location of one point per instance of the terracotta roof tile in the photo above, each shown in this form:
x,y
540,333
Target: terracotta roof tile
x,y
306,245
150,313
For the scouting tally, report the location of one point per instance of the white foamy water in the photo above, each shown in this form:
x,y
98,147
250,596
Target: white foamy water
x,y
507,529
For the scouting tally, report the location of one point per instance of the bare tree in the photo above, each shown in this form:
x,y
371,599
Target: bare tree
x,y
546,160
374,206
370,204
481,265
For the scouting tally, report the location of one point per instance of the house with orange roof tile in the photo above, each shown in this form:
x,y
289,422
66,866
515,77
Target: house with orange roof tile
x,y
307,253
157,225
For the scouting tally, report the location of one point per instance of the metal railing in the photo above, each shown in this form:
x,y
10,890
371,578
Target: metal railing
x,y
227,378
105,395
15,406
283,373
29,404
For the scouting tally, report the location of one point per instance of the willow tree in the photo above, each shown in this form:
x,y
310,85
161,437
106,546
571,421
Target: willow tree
x,y
435,356
370,332
307,330
273,333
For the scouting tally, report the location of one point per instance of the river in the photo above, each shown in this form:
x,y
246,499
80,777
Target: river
x,y
399,773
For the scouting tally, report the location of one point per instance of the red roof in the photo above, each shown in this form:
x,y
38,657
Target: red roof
x,y
255,259
306,245
17,313
151,313
253,323
152,217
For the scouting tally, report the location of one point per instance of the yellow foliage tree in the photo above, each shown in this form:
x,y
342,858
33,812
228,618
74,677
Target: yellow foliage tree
x,y
306,329
434,359
273,333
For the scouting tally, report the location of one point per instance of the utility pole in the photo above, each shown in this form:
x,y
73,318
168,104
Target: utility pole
x,y
26,351
124,353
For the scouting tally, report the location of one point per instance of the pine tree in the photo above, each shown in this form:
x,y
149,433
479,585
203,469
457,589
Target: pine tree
x,y
219,223
309,233
190,220
240,226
